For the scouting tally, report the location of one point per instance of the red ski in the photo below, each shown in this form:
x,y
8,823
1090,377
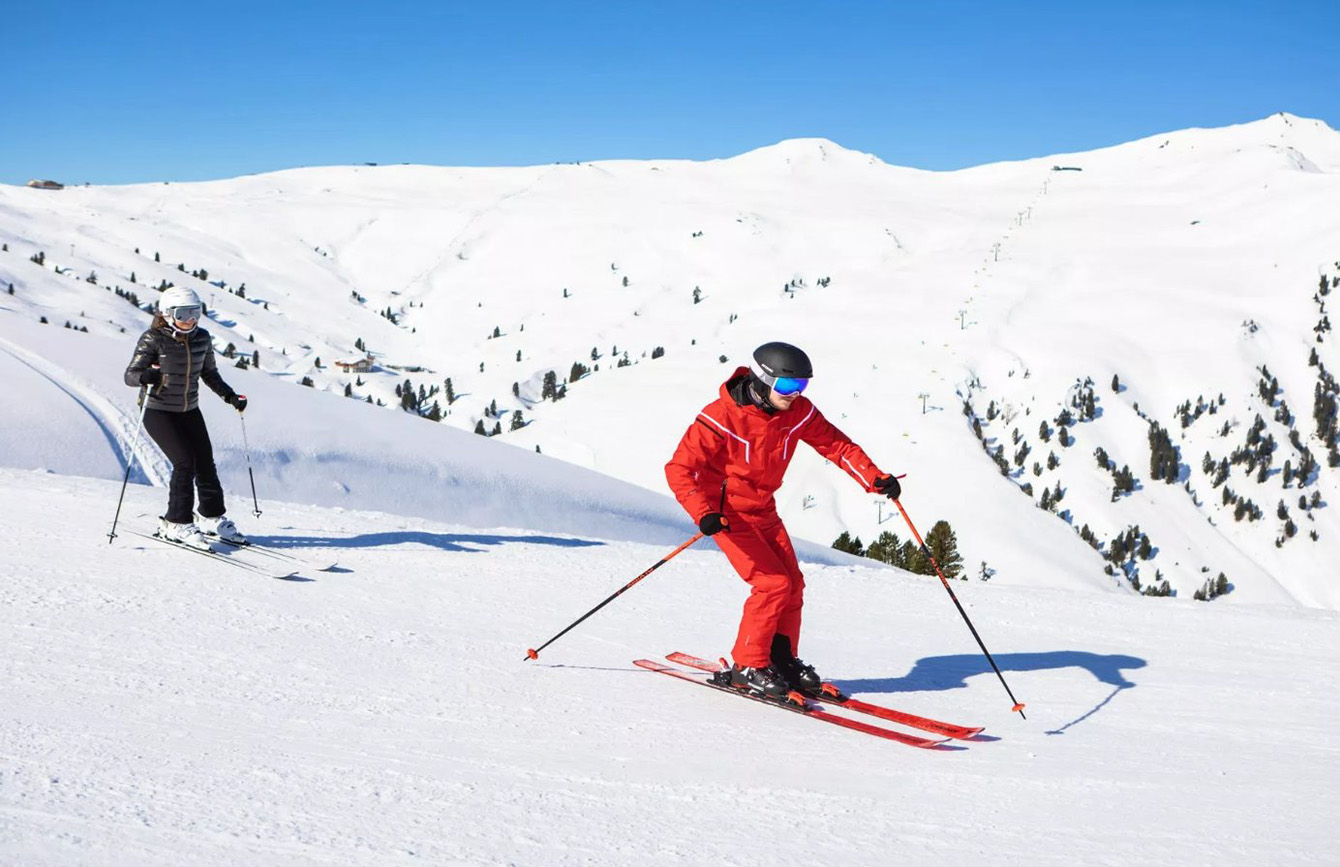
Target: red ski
x,y
832,695
797,703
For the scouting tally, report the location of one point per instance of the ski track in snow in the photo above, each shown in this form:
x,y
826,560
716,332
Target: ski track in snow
x,y
119,431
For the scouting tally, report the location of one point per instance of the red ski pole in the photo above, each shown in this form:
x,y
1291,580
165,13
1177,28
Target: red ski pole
x,y
534,653
1018,705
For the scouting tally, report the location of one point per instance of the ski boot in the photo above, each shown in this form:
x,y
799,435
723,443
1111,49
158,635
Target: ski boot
x,y
183,534
799,675
222,528
764,682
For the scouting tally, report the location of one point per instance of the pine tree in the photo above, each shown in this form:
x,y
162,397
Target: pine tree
x,y
479,428
517,421
886,549
1163,458
914,559
846,543
943,545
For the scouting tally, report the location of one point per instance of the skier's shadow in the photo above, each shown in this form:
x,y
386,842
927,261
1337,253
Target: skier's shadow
x,y
454,542
952,672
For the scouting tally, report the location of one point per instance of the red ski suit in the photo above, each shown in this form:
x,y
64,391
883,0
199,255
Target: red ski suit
x,y
731,460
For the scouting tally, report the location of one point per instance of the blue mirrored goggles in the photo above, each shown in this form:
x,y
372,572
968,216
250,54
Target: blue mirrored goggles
x,y
185,314
787,385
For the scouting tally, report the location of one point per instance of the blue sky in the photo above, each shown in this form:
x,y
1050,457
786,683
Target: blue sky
x,y
134,91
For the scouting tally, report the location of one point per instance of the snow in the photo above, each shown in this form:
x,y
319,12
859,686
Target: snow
x,y
160,710
1149,264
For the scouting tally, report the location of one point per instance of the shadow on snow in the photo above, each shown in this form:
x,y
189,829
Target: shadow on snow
x,y
454,542
952,672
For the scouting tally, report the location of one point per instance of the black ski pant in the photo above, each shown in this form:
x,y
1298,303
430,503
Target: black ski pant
x,y
184,439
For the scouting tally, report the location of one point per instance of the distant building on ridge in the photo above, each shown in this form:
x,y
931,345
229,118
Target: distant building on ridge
x,y
361,365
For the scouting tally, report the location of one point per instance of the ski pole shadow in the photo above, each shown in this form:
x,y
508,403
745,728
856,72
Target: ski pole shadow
x,y
454,542
935,673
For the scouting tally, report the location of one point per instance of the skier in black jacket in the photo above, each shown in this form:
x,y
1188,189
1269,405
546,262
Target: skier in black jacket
x,y
171,358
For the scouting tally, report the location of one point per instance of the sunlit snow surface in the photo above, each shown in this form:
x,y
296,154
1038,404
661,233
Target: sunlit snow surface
x,y
157,708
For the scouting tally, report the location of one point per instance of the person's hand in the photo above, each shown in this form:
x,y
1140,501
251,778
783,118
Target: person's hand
x,y
889,487
151,376
238,402
712,523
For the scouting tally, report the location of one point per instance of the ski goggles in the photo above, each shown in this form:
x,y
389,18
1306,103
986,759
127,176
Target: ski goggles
x,y
189,313
786,385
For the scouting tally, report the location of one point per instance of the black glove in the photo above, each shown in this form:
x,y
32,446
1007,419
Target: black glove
x,y
238,402
889,487
151,376
712,523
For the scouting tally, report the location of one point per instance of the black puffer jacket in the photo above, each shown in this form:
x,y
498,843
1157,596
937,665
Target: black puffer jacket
x,y
184,362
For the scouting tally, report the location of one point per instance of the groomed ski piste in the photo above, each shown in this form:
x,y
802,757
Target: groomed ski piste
x,y
160,711
159,708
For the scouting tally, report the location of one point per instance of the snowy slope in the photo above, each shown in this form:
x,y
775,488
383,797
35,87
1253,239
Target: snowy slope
x,y
162,709
159,709
1181,263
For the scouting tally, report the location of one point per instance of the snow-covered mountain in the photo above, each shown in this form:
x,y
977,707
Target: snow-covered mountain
x,y
1186,268
158,708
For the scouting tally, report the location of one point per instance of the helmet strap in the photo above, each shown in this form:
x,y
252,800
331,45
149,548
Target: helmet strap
x,y
760,392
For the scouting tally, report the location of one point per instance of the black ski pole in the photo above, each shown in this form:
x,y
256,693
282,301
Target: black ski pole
x,y
1018,705
534,653
130,459
256,506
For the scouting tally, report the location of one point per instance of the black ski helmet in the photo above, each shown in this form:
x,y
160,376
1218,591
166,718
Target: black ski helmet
x,y
776,359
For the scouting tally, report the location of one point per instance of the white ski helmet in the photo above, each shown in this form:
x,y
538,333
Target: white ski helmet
x,y
180,303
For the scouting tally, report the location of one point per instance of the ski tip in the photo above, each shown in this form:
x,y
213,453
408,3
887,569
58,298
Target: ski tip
x,y
532,653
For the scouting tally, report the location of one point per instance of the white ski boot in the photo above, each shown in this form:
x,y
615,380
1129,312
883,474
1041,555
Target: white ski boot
x,y
222,528
183,534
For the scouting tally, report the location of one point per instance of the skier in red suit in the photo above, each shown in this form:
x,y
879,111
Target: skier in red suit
x,y
724,473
